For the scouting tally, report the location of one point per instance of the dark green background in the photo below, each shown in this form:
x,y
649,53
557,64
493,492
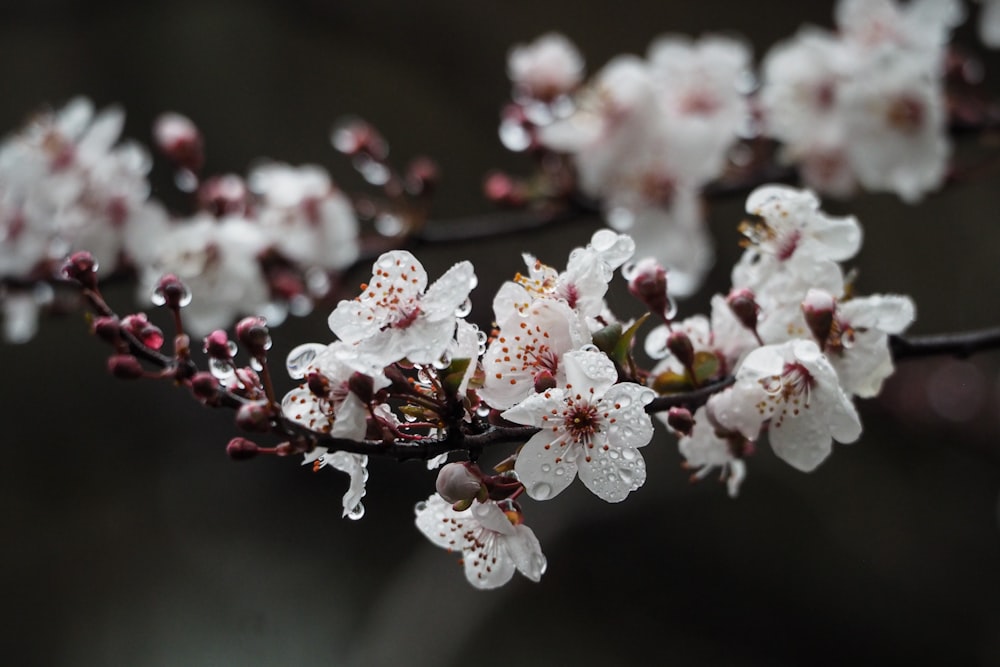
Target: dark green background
x,y
130,539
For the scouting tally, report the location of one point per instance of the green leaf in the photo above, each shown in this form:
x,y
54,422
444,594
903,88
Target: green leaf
x,y
624,345
451,377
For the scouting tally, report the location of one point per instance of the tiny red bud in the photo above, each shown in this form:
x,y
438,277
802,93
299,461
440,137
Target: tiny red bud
x,y
743,303
680,345
171,292
205,386
147,333
681,420
648,283
241,449
362,386
179,140
255,416
544,381
108,329
125,367
218,346
253,334
501,189
819,307
318,384
81,267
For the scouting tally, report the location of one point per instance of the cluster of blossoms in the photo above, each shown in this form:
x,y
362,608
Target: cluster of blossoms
x,y
269,242
862,106
408,376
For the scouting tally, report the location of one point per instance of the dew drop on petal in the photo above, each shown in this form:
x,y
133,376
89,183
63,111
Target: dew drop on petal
x,y
221,370
300,358
514,136
256,365
560,471
538,563
546,468
464,309
356,512
420,507
628,454
541,491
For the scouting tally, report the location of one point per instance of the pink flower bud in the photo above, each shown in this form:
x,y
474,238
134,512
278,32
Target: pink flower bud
x,y
681,420
179,140
241,449
743,303
818,308
649,284
204,386
544,380
81,267
147,333
108,329
680,345
255,416
218,346
125,367
171,292
253,335
457,483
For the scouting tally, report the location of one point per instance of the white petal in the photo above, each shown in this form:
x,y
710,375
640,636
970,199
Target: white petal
x,y
890,313
801,440
586,370
353,465
488,568
545,465
611,474
526,552
625,403
448,292
532,409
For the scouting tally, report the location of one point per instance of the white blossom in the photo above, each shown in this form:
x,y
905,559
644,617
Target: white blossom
x,y
491,546
591,426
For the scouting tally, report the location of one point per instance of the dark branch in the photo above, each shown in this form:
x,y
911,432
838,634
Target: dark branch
x,y
960,344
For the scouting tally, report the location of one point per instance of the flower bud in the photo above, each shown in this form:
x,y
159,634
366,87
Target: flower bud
x,y
457,483
362,386
649,284
544,381
255,416
125,367
253,335
680,345
204,386
81,267
171,292
147,333
318,384
179,140
743,303
241,449
818,308
681,420
108,329
217,345
501,189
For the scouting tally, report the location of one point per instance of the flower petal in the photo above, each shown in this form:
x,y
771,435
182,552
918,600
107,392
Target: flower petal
x,y
586,370
546,465
612,473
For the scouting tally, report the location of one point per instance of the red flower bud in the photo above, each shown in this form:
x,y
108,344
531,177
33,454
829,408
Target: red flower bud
x,y
125,367
241,449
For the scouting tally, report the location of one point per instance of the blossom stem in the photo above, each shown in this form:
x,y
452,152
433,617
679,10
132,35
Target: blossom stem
x,y
959,344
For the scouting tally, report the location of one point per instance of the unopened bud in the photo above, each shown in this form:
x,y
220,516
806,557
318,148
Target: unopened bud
x,y
241,449
544,380
171,292
362,386
125,367
743,303
218,346
680,345
318,384
253,335
255,416
81,267
205,386
179,140
144,331
108,329
649,284
457,483
818,308
681,420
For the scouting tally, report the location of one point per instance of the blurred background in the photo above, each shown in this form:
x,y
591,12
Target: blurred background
x,y
129,538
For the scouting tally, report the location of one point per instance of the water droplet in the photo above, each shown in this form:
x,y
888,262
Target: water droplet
x,y
546,468
539,564
443,362
185,180
157,298
541,491
221,370
627,476
629,454
300,358
372,171
317,281
256,365
464,309
420,507
356,512
560,471
590,347
514,136
300,305
389,225
620,219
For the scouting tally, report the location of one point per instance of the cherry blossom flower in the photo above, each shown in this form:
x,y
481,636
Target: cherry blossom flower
x,y
395,318
591,426
795,390
989,23
492,545
546,68
856,336
705,450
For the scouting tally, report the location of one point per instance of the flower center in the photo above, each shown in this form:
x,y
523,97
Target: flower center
x,y
581,421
